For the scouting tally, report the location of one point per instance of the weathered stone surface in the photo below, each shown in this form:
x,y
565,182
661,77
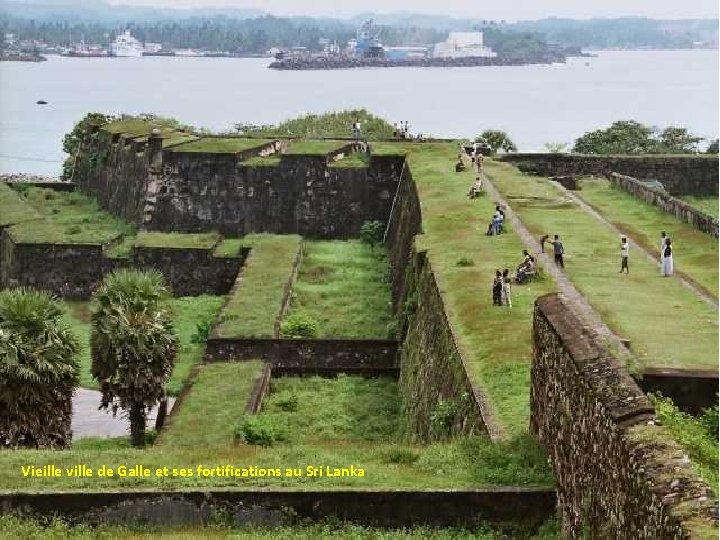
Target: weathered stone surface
x,y
667,203
681,175
618,475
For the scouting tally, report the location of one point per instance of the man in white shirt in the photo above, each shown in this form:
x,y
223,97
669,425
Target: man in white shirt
x,y
624,252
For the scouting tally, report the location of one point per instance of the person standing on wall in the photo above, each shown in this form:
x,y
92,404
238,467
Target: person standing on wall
x,y
624,253
558,251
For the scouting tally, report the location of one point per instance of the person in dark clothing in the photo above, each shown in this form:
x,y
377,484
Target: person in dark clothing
x,y
542,242
558,251
497,288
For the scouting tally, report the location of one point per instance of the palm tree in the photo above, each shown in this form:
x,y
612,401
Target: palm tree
x,y
38,371
133,344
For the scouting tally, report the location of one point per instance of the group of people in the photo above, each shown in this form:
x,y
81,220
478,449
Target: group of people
x,y
526,269
495,227
402,130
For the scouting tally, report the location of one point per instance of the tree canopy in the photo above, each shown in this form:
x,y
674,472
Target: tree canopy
x,y
631,137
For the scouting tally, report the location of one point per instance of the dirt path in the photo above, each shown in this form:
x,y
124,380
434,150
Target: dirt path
x,y
708,299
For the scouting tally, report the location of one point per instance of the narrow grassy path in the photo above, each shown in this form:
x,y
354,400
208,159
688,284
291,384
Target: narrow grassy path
x,y
343,287
668,325
695,253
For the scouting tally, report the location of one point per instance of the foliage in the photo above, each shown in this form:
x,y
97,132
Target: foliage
x,y
261,431
316,409
713,147
465,262
132,343
298,326
692,434
709,420
631,137
342,286
497,140
556,147
443,415
71,141
372,233
38,370
328,125
202,332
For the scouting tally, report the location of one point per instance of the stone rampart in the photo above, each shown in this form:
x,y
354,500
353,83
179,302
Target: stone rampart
x,y
507,508
74,271
619,475
306,354
171,190
438,398
679,174
667,203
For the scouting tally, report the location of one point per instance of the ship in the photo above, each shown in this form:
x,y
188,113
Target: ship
x,y
80,50
126,46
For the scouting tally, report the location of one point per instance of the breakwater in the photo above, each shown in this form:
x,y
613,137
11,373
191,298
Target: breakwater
x,y
474,61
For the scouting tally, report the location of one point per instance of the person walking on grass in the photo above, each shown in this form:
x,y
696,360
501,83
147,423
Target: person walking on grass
x,y
506,298
558,251
497,289
663,238
624,252
667,264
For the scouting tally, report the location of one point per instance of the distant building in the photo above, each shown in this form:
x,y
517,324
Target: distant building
x,y
463,45
402,53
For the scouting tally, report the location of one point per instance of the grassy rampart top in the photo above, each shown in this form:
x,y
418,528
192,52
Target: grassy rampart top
x,y
495,341
177,240
220,145
313,147
13,207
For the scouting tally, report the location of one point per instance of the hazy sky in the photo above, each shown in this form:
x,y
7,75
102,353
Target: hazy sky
x,y
476,9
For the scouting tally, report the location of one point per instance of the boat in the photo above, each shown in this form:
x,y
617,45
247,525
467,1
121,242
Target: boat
x,y
80,50
126,46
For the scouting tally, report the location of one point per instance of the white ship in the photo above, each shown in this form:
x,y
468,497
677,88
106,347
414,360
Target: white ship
x,y
126,46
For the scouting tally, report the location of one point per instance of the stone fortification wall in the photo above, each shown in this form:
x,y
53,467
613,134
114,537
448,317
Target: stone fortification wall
x,y
75,270
667,203
438,399
170,190
300,195
113,168
619,475
680,175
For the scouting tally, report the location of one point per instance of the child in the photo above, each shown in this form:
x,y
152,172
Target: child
x,y
624,252
505,291
497,289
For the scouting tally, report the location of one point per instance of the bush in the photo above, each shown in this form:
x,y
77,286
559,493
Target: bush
x,y
261,431
202,332
400,456
75,229
287,401
371,233
709,421
465,262
300,326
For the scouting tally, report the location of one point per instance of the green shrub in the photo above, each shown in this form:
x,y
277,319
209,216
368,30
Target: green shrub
x,y
371,233
709,421
300,326
75,229
443,415
400,456
287,401
465,262
202,332
261,431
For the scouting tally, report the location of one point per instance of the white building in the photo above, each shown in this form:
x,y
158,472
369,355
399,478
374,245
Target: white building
x,y
463,45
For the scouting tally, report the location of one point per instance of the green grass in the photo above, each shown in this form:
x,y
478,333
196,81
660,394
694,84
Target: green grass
x,y
24,527
346,408
700,445
67,218
207,416
709,204
343,286
309,147
354,160
669,326
263,161
13,207
220,145
495,342
177,240
252,310
122,249
228,247
187,314
696,255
